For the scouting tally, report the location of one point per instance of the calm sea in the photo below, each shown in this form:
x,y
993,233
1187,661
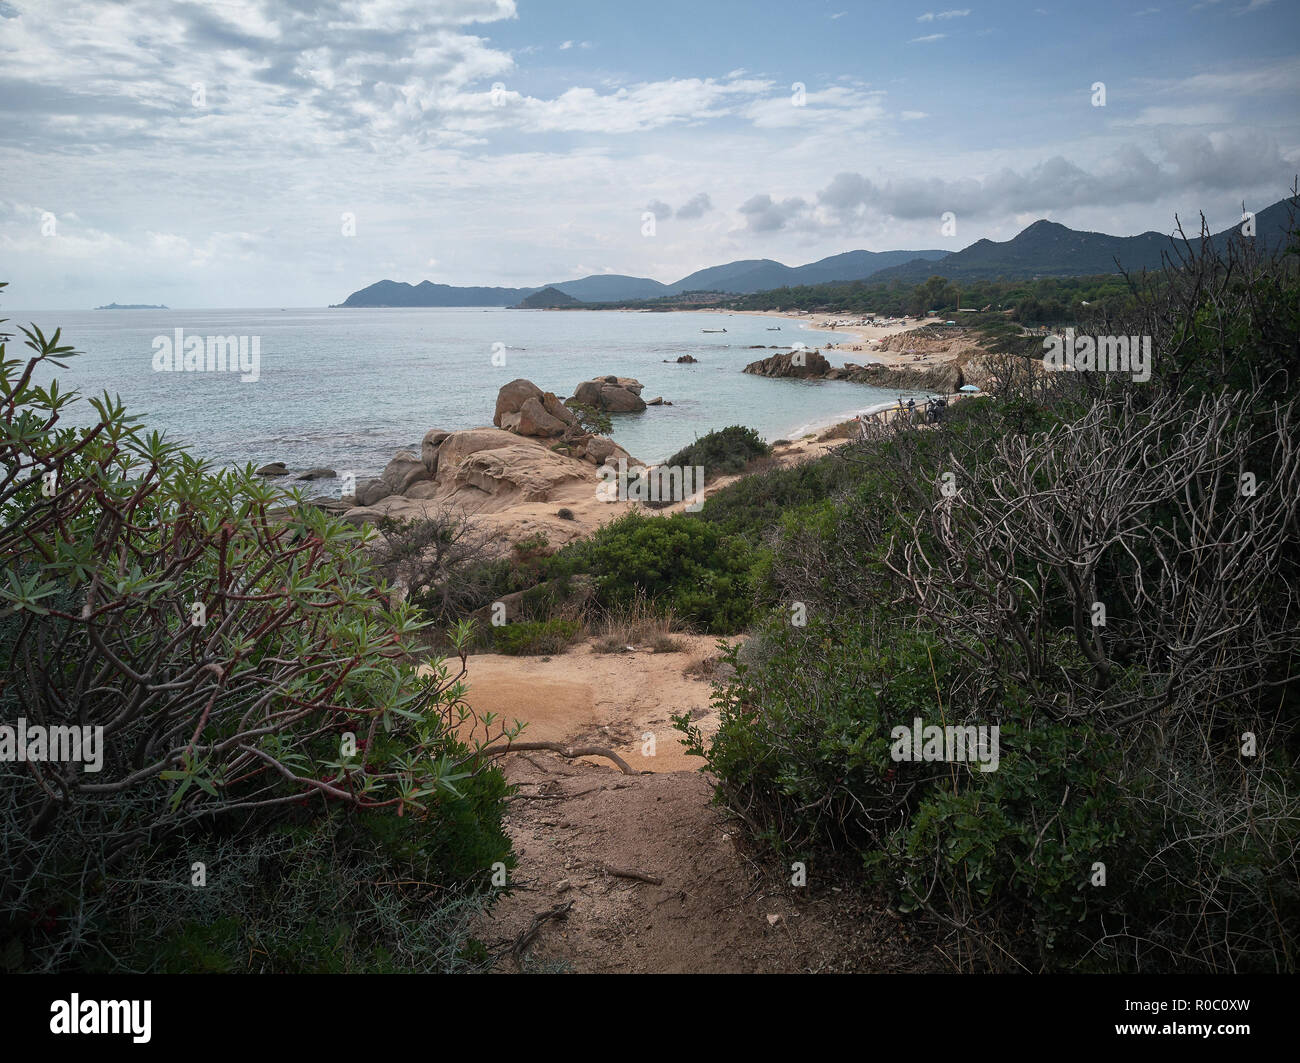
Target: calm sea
x,y
348,388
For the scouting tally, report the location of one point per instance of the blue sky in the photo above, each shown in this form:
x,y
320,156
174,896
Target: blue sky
x,y
518,143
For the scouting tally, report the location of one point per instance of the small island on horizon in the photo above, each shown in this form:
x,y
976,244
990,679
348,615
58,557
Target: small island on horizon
x,y
132,306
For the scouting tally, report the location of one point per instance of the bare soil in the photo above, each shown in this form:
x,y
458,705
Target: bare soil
x,y
642,873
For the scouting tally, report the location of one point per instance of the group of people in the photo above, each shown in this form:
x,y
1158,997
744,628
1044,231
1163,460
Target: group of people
x,y
933,410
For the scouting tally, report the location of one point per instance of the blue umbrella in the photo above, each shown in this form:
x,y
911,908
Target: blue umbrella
x,y
968,387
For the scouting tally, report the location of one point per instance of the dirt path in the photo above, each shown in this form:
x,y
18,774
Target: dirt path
x,y
701,903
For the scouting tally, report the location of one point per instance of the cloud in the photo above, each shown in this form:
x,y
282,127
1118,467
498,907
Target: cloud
x,y
695,207
931,16
1235,161
764,215
659,208
926,39
836,108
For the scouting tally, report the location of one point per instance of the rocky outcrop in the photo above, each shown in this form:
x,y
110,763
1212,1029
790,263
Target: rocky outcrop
x,y
687,359
318,473
371,491
941,379
486,469
429,448
800,364
612,394
404,470
944,378
275,468
536,453
600,449
524,408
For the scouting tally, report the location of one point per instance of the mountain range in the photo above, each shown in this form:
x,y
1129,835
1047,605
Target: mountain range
x,y
742,278
1044,249
1049,249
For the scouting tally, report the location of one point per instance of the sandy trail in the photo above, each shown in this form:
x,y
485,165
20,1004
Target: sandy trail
x,y
701,902
621,701
704,902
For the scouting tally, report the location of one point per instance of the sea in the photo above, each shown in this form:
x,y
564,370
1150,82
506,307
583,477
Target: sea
x,y
348,388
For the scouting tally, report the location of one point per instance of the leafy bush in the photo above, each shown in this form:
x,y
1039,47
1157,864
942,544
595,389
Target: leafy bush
x,y
590,419
722,452
678,562
243,662
1145,812
532,637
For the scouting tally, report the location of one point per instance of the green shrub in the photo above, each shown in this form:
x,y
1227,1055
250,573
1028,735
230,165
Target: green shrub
x,y
232,643
723,452
679,562
1121,742
533,637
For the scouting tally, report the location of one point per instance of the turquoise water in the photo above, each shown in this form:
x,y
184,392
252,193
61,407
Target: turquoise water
x,y
347,388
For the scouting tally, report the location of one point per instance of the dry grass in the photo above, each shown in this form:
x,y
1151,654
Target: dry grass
x,y
843,430
713,668
637,625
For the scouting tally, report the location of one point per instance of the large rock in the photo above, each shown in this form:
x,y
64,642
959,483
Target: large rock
x,y
942,379
318,473
512,396
404,470
359,515
534,420
557,409
800,364
521,472
275,468
429,448
527,410
460,445
371,491
613,394
600,449
425,489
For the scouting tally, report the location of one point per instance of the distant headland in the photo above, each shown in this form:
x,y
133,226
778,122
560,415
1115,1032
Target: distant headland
x,y
132,306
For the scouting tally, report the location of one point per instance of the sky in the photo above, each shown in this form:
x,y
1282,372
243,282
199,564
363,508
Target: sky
x,y
251,153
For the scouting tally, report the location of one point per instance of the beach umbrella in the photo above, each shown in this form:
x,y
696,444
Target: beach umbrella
x,y
968,387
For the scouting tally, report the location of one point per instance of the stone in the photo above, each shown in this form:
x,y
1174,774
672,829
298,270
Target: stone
x,y
275,468
613,394
534,420
317,473
363,515
404,470
371,491
424,490
617,399
429,448
512,396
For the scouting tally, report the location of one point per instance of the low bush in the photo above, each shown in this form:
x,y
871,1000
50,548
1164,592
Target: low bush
x,y
239,666
675,562
535,637
722,452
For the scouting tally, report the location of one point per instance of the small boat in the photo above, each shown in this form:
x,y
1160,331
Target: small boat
x,y
777,329
713,330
